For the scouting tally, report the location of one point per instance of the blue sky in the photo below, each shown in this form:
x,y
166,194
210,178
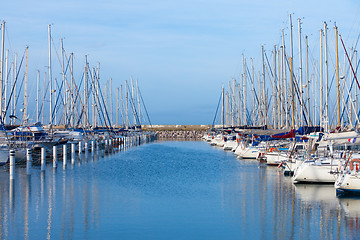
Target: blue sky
x,y
182,52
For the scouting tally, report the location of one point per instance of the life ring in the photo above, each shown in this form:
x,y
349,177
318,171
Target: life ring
x,y
355,160
272,149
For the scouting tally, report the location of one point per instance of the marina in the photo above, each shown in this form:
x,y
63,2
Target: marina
x,y
254,130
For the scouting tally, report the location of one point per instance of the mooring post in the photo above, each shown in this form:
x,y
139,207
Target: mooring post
x,y
12,164
54,156
86,146
92,145
72,153
43,159
64,155
28,161
80,147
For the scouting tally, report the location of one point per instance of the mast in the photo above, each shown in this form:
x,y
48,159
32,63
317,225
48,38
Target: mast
x,y
117,107
72,99
37,95
337,76
126,105
291,76
283,82
292,95
43,100
14,98
253,83
260,102
244,91
264,110
132,97
86,80
2,67
326,79
321,80
11,86
55,97
122,105
96,99
279,91
223,106
63,83
356,90
300,77
307,79
6,82
25,120
138,99
50,77
15,85
275,91
111,102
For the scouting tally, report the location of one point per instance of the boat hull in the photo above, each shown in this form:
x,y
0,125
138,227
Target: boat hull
x,y
307,173
348,184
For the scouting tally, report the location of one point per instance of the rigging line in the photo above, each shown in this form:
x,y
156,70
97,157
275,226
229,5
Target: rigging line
x,y
252,81
75,98
77,91
59,96
142,100
7,76
217,108
17,99
297,93
346,53
351,85
133,105
97,101
60,90
42,103
103,102
12,90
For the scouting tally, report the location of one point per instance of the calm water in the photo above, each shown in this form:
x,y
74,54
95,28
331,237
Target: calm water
x,y
171,190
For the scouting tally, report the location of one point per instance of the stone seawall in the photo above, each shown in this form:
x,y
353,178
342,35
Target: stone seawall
x,y
177,131
180,134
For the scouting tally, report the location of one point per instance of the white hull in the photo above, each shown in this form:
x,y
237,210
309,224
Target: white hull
x,y
249,152
275,158
348,183
230,145
308,172
220,143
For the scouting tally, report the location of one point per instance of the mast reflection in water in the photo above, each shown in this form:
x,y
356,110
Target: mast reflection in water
x,y
170,190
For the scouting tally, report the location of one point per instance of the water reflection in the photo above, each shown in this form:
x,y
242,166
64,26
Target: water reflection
x,y
162,189
351,209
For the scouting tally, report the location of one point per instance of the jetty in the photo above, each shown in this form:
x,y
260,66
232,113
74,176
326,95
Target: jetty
x,y
68,114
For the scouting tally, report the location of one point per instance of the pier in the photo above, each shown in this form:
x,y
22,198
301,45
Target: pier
x,y
41,156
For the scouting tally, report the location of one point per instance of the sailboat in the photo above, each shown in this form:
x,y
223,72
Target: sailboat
x,y
348,182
